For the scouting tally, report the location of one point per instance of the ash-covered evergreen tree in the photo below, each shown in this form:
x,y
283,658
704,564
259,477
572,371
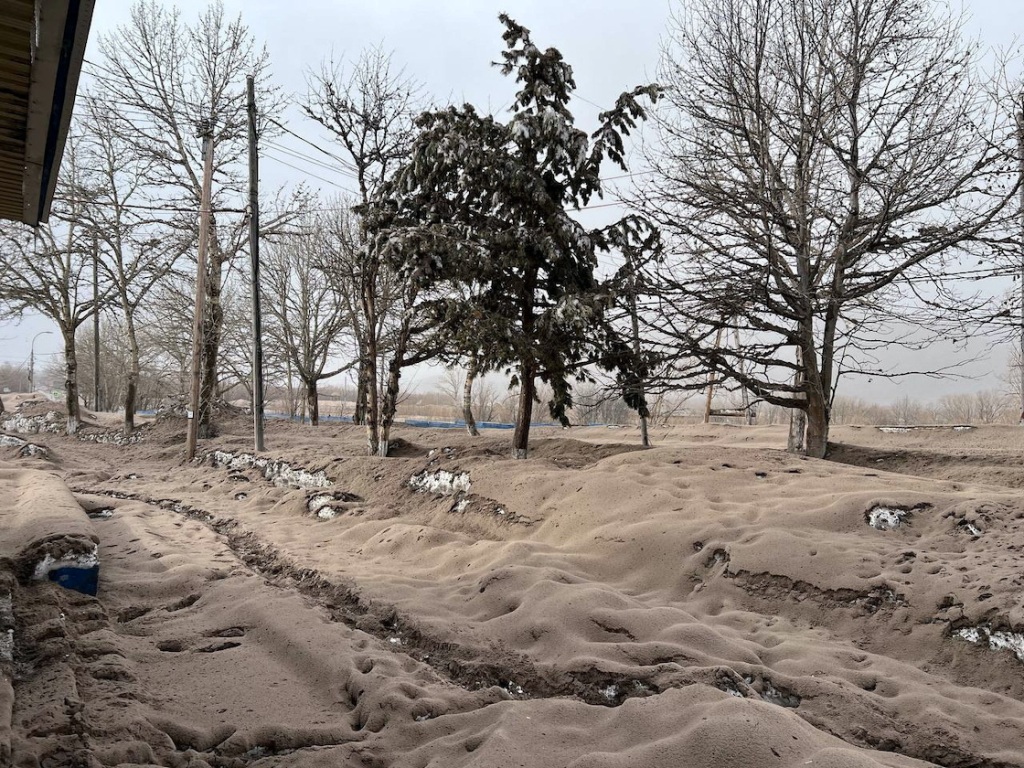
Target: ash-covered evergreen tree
x,y
487,205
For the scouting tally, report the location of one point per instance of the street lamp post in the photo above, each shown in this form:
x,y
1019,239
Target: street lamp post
x,y
32,361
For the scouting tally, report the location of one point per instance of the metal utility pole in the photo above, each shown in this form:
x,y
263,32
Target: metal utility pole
x,y
254,254
206,133
95,323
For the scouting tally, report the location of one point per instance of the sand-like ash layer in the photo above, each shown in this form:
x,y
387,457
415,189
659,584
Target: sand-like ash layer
x,y
710,602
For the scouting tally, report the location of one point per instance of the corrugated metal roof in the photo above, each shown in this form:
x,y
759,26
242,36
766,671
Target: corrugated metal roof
x,y
16,26
42,44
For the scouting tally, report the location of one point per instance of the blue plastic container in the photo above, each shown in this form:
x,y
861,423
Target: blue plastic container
x,y
85,580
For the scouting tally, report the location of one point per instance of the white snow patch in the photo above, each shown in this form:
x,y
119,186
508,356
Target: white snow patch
x,y
611,692
997,641
280,473
887,518
461,506
327,506
33,425
112,438
27,448
892,429
442,482
318,502
49,563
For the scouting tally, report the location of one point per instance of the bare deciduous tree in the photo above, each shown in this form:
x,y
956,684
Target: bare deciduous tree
x,y
308,312
167,79
131,252
369,111
821,163
457,385
152,381
49,271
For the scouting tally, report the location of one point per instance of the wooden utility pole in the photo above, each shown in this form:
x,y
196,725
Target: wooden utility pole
x,y
254,254
797,442
1020,160
711,381
206,133
748,411
95,323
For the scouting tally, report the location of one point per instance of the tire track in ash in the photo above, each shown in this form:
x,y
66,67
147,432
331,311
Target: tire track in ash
x,y
520,677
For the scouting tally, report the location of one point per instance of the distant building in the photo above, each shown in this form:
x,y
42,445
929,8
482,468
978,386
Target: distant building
x,y
42,46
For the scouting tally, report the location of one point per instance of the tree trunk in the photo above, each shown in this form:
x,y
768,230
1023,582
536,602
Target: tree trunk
x,y
797,429
645,437
390,403
372,416
132,388
214,324
359,411
641,396
313,401
524,411
71,382
817,423
527,372
467,399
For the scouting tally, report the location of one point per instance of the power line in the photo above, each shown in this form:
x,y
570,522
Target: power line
x,y
577,95
113,77
346,167
118,80
276,159
336,208
311,160
344,163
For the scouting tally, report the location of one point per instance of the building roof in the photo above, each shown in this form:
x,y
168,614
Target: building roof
x,y
42,45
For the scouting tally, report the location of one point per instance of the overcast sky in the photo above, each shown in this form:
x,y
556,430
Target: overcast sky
x,y
448,45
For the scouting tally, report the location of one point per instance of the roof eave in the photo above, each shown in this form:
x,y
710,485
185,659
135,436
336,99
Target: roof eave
x,y
62,32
